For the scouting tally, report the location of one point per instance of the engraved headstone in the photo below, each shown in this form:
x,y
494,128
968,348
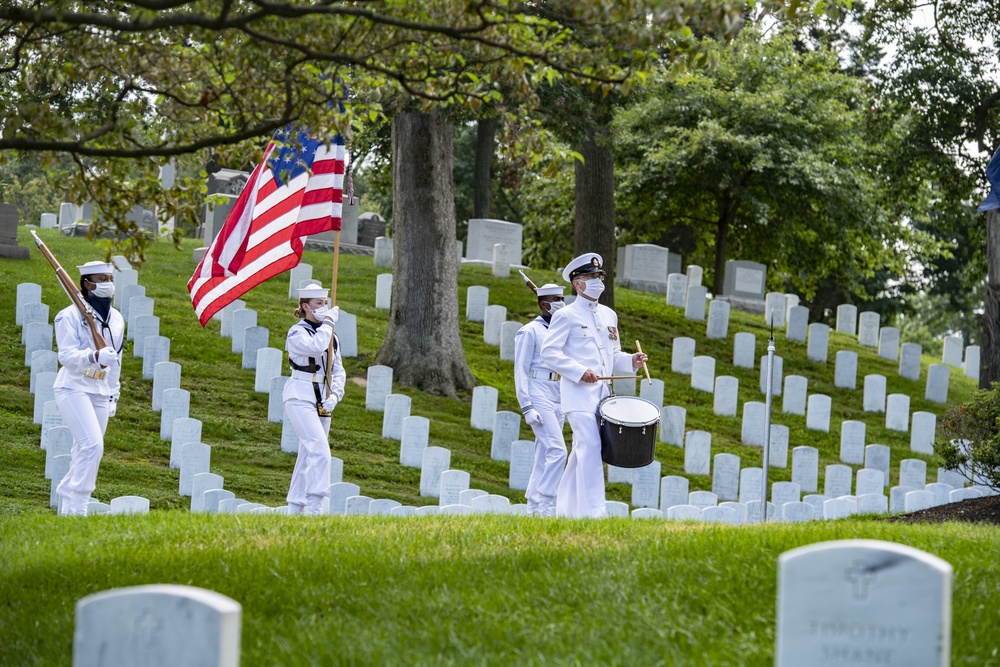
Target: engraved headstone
x,y
776,377
506,429
697,452
672,422
484,407
868,327
33,312
383,251
145,327
378,387
242,320
937,383
677,286
744,350
51,417
726,476
913,473
43,361
522,459
838,481
484,233
673,491
225,317
652,392
296,275
493,319
718,320
845,374
130,292
166,375
269,360
878,457
752,432
254,339
156,350
798,321
909,361
805,468
413,440
38,336
971,366
289,438
60,443
26,293
818,346
476,299
888,343
186,430
897,412
176,403
682,355
383,291
501,260
339,493
684,513
818,412
702,499
785,492
703,373
275,404
922,432
726,395
852,442
874,398
745,280
196,457
774,309
434,461
507,332
847,319
694,309
793,401
869,481
138,306
646,485
952,353
751,480
123,278
44,392
778,449
200,483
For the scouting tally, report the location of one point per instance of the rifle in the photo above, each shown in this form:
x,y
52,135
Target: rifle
x,y
73,292
527,281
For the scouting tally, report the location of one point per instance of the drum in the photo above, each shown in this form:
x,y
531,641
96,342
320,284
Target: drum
x,y
628,431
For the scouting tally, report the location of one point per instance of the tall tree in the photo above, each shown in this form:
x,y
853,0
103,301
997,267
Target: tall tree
x,y
486,138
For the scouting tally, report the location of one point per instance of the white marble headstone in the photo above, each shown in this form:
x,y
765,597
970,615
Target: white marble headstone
x,y
166,375
874,397
196,457
798,321
818,346
522,459
484,407
922,432
852,442
156,350
744,350
726,476
646,485
805,468
413,440
185,431
269,361
397,408
847,319
818,412
493,319
897,412
242,320
888,343
176,403
697,452
793,397
378,387
682,355
937,383
726,397
674,490
845,375
476,299
672,425
434,461
506,429
703,373
718,320
868,327
752,432
383,291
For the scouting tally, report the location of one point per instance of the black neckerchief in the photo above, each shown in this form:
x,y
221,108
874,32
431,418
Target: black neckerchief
x,y
312,325
101,306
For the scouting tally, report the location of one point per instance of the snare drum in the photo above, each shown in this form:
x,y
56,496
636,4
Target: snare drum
x,y
628,431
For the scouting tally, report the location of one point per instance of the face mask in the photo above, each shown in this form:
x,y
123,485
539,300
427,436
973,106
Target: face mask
x,y
595,287
103,290
555,305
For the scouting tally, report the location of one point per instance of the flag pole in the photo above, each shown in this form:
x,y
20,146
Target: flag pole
x,y
332,303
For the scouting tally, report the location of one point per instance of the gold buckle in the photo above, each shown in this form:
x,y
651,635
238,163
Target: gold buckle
x,y
95,374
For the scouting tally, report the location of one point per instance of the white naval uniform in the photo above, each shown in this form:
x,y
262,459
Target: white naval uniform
x,y
311,475
83,393
538,389
584,335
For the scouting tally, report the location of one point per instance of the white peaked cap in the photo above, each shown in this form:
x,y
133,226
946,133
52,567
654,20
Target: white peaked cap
x,y
549,289
313,291
585,264
91,268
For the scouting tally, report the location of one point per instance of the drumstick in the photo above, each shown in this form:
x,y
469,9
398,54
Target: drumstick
x,y
644,367
616,377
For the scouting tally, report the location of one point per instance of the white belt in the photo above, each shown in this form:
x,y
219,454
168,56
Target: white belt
x,y
545,375
308,377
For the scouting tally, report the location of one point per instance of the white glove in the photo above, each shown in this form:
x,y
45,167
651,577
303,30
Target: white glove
x,y
532,418
106,356
112,406
330,403
331,315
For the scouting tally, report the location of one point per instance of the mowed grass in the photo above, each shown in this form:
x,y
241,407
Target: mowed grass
x,y
449,590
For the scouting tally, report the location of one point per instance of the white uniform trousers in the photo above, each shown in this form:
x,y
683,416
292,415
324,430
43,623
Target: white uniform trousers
x,y
311,475
581,490
550,450
86,416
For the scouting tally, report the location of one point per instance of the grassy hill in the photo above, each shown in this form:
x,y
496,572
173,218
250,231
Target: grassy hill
x,y
480,590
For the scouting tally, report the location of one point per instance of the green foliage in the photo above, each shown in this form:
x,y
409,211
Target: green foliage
x,y
970,437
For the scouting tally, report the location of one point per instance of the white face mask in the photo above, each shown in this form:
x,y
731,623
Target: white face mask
x,y
103,290
555,305
594,288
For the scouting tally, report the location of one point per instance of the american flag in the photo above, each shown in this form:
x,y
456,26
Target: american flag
x,y
295,191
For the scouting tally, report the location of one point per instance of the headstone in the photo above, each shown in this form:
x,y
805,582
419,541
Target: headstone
x,y
744,350
413,441
336,470
682,355
48,221
798,321
673,491
275,404
869,481
145,327
647,513
897,412
44,392
289,438
718,320
815,500
522,459
59,468
852,442
863,602
941,492
397,408
697,452
897,498
185,431
507,332
33,312
176,403
694,309
466,497
484,407
798,512
254,339
357,505
652,392
937,383
130,292
845,375
972,362
225,317
838,481
878,457
913,473
684,513
791,301
726,395
435,461
129,505
196,457
909,361
378,387
952,353
677,286
45,361
702,499
269,360
646,485
776,377
347,334
51,417
785,492
726,476
383,506
38,336
501,260
888,343
383,251
818,412
200,483
752,432
868,328
703,373
953,478
138,306
745,280
67,215
793,401
805,468
156,350
818,347
874,398
428,510
751,480
778,450
339,493
506,429
484,233
242,320
618,475
774,309
923,432
914,501
672,423
215,496
383,291
847,319
296,275
477,298
26,293
493,319
166,375
60,443
123,279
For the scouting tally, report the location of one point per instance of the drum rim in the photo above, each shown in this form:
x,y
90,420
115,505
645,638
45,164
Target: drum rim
x,y
630,424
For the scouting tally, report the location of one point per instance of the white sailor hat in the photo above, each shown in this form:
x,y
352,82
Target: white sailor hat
x,y
313,291
550,289
587,263
93,268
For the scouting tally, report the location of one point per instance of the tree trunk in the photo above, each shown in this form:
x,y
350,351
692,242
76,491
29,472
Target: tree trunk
x,y
482,185
721,236
594,209
422,344
989,321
